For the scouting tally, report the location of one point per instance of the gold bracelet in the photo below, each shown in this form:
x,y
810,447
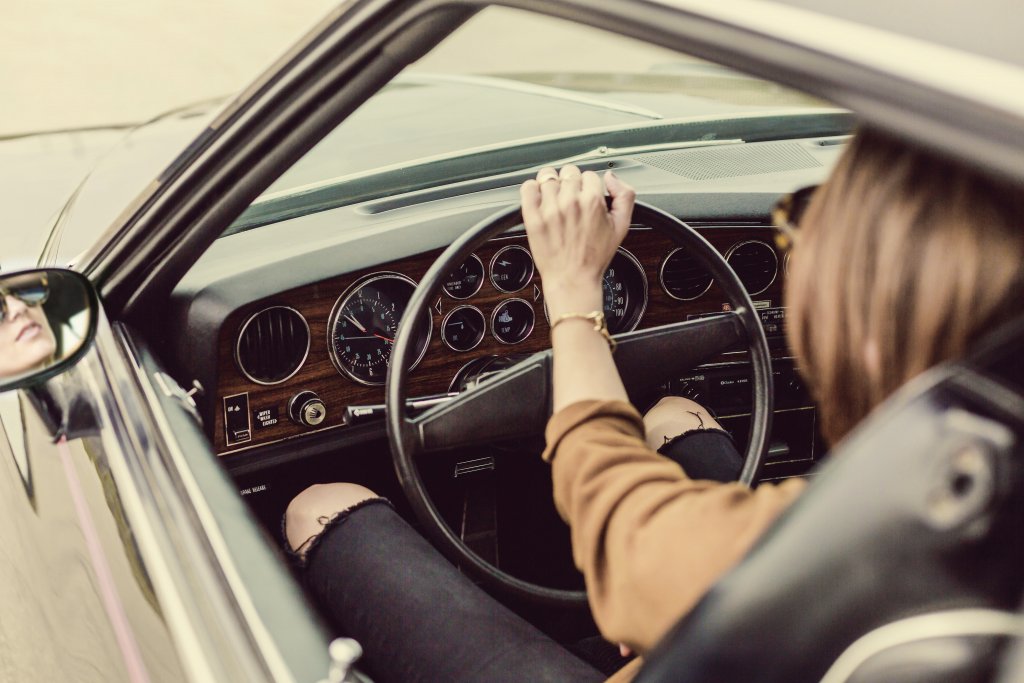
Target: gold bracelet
x,y
597,317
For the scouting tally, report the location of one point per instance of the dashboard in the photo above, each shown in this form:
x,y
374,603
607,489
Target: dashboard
x,y
315,357
289,327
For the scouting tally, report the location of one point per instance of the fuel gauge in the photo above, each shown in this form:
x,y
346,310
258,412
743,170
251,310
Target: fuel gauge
x,y
465,281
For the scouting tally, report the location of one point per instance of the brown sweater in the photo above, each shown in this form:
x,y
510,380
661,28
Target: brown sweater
x,y
649,540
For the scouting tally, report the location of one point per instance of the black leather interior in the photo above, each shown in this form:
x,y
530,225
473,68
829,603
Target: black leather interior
x,y
917,512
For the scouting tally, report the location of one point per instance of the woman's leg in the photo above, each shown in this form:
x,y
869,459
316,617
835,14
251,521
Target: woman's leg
x,y
684,431
416,616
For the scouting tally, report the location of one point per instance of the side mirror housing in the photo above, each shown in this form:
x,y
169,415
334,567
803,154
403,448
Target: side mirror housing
x,y
48,320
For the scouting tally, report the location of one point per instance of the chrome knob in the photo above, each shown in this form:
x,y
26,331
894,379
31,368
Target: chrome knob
x,y
306,408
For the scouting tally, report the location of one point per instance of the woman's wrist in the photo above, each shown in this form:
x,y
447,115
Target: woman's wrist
x,y
577,299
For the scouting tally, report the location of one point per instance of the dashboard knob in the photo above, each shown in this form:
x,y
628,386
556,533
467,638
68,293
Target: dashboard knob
x,y
306,408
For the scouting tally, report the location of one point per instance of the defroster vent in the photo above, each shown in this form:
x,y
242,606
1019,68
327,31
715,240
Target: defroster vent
x,y
272,345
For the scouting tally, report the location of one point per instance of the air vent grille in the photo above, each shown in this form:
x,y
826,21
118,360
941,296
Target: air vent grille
x,y
683,277
732,161
272,345
755,263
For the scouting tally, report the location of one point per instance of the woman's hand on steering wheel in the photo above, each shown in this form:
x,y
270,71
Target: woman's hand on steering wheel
x,y
573,233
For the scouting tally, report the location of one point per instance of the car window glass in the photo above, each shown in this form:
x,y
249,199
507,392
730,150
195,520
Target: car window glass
x,y
485,86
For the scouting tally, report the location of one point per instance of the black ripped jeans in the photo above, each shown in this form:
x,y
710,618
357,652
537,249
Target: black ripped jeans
x,y
420,620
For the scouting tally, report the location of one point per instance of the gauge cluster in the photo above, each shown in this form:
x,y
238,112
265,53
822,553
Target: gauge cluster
x,y
365,318
490,309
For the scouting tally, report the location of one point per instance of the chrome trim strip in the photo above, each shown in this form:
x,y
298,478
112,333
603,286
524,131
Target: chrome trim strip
x,y
529,331
964,622
483,276
241,333
339,304
490,268
661,279
767,246
483,328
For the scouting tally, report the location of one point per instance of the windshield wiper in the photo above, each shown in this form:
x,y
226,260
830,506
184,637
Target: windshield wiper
x,y
604,151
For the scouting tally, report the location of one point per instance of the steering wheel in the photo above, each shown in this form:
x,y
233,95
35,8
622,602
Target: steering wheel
x,y
518,400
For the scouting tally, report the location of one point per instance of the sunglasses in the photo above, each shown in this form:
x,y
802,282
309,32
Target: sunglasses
x,y
787,214
33,292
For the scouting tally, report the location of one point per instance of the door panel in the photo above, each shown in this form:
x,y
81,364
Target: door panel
x,y
77,601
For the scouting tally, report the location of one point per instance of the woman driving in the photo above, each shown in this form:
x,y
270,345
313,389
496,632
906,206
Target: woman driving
x,y
654,523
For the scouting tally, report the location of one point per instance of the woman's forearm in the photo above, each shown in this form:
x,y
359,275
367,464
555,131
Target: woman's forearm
x,y
583,365
573,234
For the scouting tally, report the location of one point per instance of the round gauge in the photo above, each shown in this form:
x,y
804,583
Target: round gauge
x,y
683,277
463,328
466,280
625,292
512,321
511,268
364,323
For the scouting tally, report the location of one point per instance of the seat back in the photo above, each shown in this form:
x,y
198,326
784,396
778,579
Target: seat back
x,y
917,515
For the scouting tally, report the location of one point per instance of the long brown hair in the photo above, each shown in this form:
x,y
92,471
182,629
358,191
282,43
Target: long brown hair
x,y
903,259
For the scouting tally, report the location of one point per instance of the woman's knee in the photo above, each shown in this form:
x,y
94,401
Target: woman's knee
x,y
675,415
310,511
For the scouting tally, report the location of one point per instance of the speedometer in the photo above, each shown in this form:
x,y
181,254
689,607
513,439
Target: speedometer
x,y
364,323
624,291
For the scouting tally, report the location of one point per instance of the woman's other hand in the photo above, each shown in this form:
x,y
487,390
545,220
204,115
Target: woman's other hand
x,y
573,234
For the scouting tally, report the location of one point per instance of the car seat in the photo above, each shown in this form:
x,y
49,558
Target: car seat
x,y
902,561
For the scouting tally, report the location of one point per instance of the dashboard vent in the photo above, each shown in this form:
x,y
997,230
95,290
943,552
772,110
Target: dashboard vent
x,y
732,161
272,345
755,263
683,277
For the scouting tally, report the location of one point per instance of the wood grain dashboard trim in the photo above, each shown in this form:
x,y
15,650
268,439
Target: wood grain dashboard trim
x,y
440,363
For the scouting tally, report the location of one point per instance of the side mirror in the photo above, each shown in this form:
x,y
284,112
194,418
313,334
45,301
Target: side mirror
x,y
47,323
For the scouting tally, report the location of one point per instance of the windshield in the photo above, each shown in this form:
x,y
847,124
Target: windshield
x,y
503,103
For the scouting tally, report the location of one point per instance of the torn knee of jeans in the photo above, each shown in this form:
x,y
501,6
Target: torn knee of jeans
x,y
301,554
670,440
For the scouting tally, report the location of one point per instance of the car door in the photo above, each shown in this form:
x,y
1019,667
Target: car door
x,y
131,555
79,602
128,554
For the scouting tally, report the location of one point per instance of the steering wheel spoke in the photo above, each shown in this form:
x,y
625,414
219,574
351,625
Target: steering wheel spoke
x,y
504,405
646,357
517,401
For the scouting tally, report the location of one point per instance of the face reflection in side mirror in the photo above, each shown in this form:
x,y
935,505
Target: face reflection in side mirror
x,y
47,319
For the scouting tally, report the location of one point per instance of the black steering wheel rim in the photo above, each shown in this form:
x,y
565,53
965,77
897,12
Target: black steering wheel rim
x,y
403,439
